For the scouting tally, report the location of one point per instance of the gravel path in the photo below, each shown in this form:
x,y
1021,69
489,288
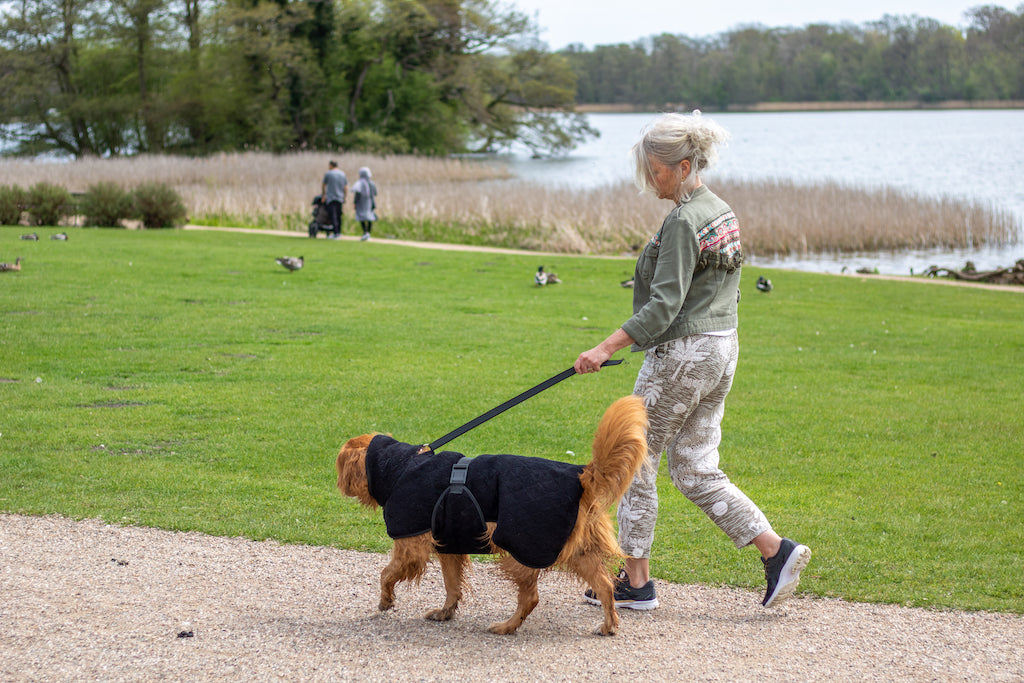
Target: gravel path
x,y
89,601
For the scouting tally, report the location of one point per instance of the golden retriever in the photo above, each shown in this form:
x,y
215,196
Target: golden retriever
x,y
591,550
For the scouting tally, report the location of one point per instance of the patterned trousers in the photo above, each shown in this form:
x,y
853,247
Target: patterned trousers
x,y
684,383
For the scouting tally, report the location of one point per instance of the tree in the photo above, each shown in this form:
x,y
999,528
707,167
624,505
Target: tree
x,y
894,58
267,48
126,76
40,75
995,53
520,99
442,75
134,27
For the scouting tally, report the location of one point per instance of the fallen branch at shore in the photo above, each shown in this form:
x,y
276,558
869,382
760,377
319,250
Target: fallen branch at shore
x,y
1013,275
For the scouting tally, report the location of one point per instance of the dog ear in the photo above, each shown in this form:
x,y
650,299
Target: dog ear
x,y
351,466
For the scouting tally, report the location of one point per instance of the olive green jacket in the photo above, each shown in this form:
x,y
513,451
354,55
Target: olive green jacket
x,y
687,278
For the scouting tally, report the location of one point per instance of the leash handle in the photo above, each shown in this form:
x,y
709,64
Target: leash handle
x,y
497,410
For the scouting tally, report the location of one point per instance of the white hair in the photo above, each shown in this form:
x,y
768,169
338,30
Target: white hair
x,y
672,138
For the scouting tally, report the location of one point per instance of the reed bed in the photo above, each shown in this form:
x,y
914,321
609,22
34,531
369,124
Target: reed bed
x,y
783,218
478,202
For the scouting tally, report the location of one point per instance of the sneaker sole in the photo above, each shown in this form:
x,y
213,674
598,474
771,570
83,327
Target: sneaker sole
x,y
640,605
789,577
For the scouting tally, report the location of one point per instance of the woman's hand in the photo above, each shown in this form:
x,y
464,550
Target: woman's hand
x,y
590,361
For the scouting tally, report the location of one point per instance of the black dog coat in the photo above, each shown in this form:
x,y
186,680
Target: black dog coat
x,y
532,501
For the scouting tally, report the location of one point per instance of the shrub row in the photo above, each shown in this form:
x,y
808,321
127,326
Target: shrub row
x,y
105,204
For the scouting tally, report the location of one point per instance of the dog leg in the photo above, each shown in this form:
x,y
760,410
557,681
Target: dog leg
x,y
408,563
452,568
595,572
389,576
526,580
605,591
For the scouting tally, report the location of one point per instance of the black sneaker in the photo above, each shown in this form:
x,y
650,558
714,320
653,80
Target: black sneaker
x,y
626,596
783,571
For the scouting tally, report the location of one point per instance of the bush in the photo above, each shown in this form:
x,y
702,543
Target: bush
x,y
12,203
106,204
48,203
159,206
370,142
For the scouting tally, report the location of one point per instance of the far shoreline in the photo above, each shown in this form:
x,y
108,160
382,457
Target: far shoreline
x,y
773,107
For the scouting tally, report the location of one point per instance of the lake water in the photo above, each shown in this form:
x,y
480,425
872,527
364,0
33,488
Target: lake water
x,y
973,154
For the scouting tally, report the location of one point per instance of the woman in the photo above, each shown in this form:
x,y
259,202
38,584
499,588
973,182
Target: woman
x,y
365,196
685,296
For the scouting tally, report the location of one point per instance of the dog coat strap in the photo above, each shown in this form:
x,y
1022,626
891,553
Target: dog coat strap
x,y
458,523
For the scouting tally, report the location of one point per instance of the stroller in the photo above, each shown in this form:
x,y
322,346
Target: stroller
x,y
321,219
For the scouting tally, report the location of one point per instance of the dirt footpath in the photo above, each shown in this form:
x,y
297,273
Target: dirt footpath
x,y
87,601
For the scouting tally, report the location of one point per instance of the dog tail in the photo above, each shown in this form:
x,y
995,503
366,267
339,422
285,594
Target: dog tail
x,y
619,451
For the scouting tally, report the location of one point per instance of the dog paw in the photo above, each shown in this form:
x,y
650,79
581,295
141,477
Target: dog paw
x,y
385,605
502,628
440,614
605,630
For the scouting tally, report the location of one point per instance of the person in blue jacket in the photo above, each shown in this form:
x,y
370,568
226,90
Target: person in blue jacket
x,y
332,191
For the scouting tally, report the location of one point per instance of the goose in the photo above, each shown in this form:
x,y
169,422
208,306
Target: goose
x,y
542,278
764,284
59,236
33,237
290,262
5,267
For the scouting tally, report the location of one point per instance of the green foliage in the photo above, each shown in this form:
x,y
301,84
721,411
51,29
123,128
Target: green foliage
x,y
106,204
521,103
893,59
192,383
82,77
47,203
371,142
12,203
158,205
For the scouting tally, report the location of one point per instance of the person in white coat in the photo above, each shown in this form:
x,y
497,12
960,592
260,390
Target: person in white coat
x,y
364,193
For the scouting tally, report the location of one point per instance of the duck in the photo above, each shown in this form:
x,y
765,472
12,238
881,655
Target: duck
x,y
290,262
764,284
32,237
59,236
542,278
7,267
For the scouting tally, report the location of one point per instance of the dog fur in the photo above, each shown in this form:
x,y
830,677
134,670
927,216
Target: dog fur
x,y
619,450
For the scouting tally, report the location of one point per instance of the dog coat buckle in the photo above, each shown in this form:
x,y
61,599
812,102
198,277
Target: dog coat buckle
x,y
460,471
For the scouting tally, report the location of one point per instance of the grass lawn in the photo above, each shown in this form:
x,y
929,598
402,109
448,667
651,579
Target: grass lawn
x,y
183,380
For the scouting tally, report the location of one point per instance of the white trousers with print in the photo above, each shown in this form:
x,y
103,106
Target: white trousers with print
x,y
684,384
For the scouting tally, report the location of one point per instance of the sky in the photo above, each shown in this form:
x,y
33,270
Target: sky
x,y
606,22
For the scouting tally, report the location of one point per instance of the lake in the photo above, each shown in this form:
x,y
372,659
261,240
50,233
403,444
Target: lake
x,y
976,155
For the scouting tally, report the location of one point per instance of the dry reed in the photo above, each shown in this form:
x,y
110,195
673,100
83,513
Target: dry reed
x,y
477,201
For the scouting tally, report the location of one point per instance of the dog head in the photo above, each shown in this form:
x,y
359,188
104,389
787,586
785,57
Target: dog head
x,y
352,470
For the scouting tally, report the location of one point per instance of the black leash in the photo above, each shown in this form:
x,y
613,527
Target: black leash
x,y
477,421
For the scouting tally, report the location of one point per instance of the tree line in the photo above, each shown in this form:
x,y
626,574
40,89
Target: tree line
x,y
110,77
897,58
113,77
